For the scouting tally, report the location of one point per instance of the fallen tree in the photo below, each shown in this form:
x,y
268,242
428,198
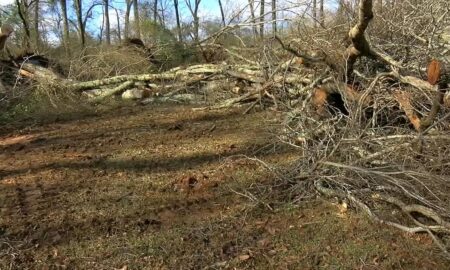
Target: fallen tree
x,y
366,137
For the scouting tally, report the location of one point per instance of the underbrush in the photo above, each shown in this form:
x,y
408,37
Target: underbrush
x,y
45,104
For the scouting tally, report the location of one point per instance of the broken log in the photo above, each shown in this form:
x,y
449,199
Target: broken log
x,y
135,94
109,92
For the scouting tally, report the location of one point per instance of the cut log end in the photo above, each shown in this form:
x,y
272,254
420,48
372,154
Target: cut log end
x,y
434,72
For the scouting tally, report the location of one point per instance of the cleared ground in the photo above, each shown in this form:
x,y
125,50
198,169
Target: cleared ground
x,y
166,188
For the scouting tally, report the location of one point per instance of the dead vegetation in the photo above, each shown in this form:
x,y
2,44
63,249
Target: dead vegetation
x,y
369,114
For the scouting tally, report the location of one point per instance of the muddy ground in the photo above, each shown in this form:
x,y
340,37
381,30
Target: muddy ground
x,y
168,187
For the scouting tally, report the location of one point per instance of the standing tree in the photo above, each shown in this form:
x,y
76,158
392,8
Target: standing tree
x,y
36,25
129,3
79,12
274,17
322,13
261,18
155,10
251,4
222,13
193,8
314,12
107,24
65,35
137,24
22,8
177,15
119,34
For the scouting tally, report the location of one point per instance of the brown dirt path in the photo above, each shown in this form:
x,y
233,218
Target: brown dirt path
x,y
157,188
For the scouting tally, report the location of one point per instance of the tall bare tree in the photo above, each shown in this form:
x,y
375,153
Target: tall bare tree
x,y
65,20
314,12
129,3
137,24
79,13
36,25
119,34
177,15
261,18
155,11
274,16
322,13
193,7
222,13
107,24
23,10
251,4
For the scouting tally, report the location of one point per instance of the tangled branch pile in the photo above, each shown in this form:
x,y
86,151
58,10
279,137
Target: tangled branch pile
x,y
365,150
372,130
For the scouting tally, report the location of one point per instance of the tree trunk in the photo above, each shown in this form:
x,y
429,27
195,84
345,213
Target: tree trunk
x,y
137,26
119,34
36,25
261,15
177,15
65,25
222,13
127,19
162,15
107,24
79,12
155,11
22,9
314,12
194,12
100,36
274,17
322,13
251,4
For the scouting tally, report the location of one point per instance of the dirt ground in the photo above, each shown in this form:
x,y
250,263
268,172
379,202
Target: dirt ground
x,y
166,187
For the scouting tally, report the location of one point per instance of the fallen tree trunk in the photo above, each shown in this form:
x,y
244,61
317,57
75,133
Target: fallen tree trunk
x,y
180,98
109,92
40,74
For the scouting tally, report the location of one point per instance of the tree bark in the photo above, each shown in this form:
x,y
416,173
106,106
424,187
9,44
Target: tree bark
x,y
22,9
274,17
137,25
196,20
63,4
322,13
222,13
314,12
107,24
127,18
122,87
261,15
251,4
79,13
36,25
360,46
155,11
177,15
119,33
